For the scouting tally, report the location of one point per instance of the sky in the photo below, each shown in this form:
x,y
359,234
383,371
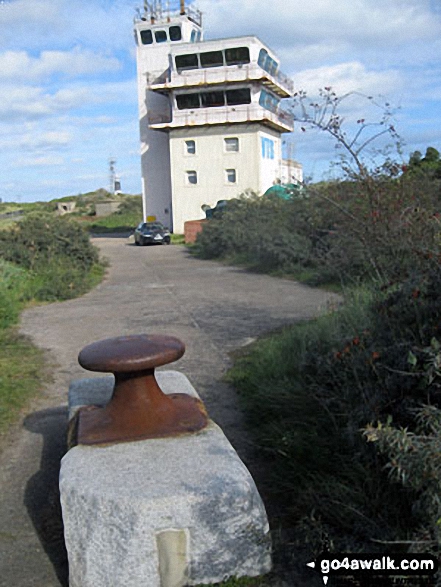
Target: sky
x,y
68,97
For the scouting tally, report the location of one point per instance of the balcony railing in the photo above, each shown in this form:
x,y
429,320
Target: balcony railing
x,y
223,115
169,79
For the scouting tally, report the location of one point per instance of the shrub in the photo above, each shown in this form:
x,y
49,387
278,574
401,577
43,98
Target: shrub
x,y
56,253
309,391
39,240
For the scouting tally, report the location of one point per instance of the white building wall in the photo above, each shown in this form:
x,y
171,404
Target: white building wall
x,y
155,151
211,162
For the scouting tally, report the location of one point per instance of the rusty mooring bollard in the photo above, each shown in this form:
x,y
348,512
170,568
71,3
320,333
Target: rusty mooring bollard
x,y
138,409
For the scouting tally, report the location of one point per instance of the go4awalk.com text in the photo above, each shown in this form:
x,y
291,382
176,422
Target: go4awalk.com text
x,y
365,564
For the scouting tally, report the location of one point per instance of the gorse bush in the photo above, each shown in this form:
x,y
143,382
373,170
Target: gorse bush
x,y
60,261
319,384
39,240
267,233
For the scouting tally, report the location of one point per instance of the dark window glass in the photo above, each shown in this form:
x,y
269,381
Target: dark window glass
x,y
146,37
161,36
188,61
193,36
237,55
175,33
242,96
212,99
185,101
212,59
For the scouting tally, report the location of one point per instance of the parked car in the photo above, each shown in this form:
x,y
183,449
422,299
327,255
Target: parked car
x,y
151,233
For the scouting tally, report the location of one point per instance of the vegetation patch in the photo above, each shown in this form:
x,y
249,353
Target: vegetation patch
x,y
22,374
42,258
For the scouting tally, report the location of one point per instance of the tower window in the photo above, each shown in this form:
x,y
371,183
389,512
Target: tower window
x,y
231,144
267,148
237,55
188,61
190,147
175,33
242,96
212,59
146,37
191,177
161,36
230,175
268,101
266,62
186,101
212,99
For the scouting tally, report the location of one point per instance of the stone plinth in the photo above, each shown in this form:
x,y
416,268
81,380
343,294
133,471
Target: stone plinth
x,y
162,512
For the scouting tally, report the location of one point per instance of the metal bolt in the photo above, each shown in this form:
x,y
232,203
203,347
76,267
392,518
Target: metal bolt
x,y
138,408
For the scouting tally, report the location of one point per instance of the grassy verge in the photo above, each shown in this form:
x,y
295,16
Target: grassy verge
x,y
41,260
113,223
22,374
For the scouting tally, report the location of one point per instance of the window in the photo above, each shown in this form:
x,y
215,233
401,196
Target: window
x,y
242,96
267,148
175,33
212,59
190,147
161,36
185,101
231,144
146,37
267,63
230,175
193,36
191,177
268,101
198,36
188,61
263,54
212,99
237,56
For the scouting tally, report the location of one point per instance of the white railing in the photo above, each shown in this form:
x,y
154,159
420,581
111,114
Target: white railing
x,y
217,75
222,115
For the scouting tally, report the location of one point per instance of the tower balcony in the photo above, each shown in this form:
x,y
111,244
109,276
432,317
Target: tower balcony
x,y
169,80
280,120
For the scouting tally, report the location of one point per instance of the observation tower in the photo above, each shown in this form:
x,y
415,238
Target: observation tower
x,y
210,115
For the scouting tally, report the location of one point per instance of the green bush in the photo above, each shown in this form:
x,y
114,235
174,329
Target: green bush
x,y
269,234
39,240
56,254
14,290
309,392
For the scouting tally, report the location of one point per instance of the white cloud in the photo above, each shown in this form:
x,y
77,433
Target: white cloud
x,y
34,102
385,22
348,77
39,161
18,65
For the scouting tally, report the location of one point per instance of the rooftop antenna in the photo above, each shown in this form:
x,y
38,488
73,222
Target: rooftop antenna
x,y
182,11
112,174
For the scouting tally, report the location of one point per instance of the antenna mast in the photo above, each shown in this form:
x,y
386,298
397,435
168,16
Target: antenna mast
x,y
112,175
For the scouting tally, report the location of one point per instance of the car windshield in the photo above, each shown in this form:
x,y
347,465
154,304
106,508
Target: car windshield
x,y
152,226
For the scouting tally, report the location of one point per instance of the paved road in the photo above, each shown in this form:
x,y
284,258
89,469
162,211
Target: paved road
x,y
214,309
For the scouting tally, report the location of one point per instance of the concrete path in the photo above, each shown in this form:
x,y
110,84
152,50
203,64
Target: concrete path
x,y
214,309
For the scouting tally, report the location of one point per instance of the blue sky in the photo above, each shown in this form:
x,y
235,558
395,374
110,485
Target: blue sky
x,y
68,97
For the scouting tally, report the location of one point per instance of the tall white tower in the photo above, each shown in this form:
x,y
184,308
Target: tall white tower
x,y
156,31
210,115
